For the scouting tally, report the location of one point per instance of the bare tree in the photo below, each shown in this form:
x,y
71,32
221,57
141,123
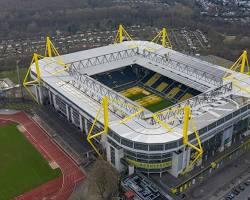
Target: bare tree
x,y
103,179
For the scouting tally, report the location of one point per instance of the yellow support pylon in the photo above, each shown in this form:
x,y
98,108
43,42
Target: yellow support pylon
x,y
121,34
244,63
26,82
90,136
241,65
50,49
185,124
105,108
199,149
164,39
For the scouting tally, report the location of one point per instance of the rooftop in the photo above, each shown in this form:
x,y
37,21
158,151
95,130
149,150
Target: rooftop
x,y
85,93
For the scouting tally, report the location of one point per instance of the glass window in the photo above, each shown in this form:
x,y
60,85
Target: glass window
x,y
220,121
166,159
203,130
236,113
141,146
127,143
155,147
243,109
113,144
228,117
170,145
155,156
131,153
211,126
116,137
191,136
180,142
111,134
112,155
155,161
166,155
142,156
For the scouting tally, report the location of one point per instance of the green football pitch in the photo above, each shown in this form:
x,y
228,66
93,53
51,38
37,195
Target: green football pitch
x,y
22,167
154,105
159,105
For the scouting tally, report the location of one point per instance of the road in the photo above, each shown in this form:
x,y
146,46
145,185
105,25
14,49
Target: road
x,y
243,195
221,182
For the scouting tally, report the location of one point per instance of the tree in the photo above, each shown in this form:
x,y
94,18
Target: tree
x,y
103,179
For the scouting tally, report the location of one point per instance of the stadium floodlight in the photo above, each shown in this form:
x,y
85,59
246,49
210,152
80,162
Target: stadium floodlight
x,y
122,35
51,51
162,36
26,82
241,65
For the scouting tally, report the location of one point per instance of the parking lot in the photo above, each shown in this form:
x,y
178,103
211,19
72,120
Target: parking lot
x,y
240,192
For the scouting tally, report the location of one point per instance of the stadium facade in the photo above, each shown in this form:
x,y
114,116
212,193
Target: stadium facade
x,y
141,75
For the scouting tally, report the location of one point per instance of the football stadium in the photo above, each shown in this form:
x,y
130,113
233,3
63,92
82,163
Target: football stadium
x,y
144,106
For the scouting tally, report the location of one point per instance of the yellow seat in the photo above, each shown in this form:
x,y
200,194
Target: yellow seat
x,y
173,92
149,100
132,91
162,86
153,79
185,97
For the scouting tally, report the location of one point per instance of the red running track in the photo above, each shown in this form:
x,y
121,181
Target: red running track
x,y
60,188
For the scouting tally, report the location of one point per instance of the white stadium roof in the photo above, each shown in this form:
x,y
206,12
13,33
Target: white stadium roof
x,y
190,71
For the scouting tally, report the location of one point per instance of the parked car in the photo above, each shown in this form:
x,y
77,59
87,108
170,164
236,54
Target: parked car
x,y
230,196
235,191
246,183
241,187
183,196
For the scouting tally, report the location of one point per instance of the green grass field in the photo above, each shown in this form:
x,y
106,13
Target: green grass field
x,y
159,105
27,107
152,106
22,167
136,96
12,75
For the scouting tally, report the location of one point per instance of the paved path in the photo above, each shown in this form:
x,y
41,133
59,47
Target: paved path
x,y
8,111
60,188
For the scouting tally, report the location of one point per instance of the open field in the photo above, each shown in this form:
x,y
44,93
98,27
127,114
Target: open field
x,y
12,75
18,106
22,167
146,99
